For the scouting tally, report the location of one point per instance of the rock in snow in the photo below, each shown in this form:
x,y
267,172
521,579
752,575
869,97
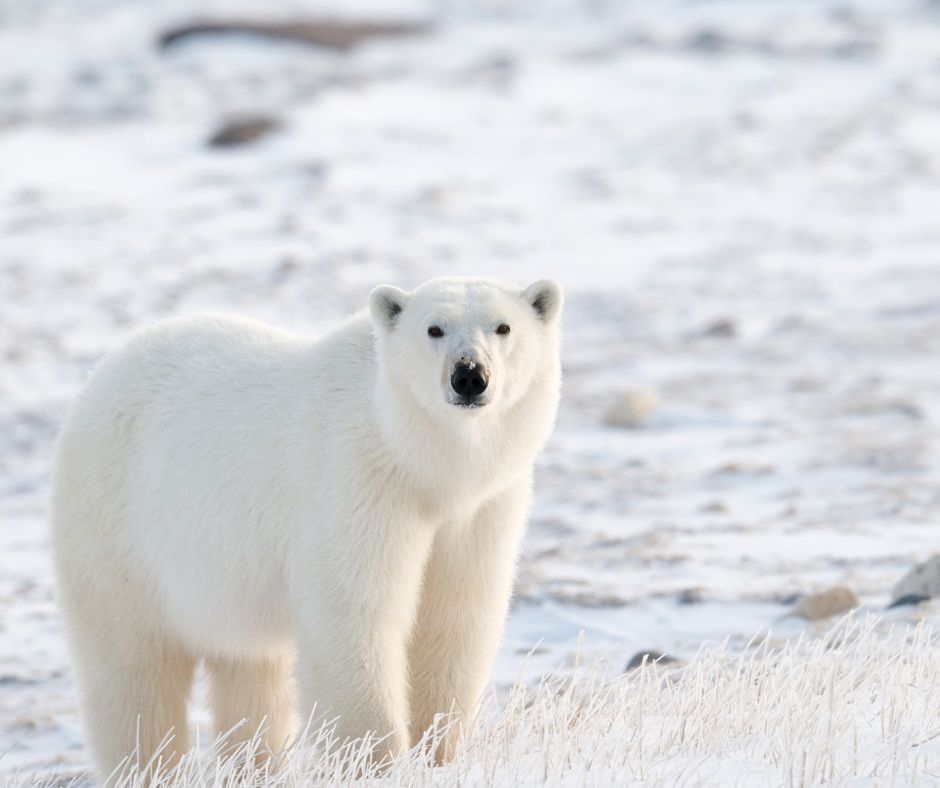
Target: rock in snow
x,y
649,657
333,34
240,131
722,328
908,599
921,583
825,604
630,408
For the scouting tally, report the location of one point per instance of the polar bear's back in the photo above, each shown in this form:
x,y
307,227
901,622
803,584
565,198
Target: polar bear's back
x,y
182,459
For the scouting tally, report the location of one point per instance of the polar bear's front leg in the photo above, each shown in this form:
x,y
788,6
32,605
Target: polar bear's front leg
x,y
462,612
356,615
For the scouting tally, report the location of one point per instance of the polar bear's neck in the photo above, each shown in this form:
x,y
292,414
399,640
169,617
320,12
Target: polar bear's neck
x,y
471,456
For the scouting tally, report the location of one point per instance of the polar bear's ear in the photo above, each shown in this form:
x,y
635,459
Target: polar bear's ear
x,y
546,298
386,304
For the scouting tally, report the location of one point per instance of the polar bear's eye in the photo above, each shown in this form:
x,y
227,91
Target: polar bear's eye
x,y
435,331
502,328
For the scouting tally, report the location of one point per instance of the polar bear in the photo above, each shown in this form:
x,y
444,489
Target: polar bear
x,y
341,514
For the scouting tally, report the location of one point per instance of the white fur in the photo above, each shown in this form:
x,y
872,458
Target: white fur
x,y
230,492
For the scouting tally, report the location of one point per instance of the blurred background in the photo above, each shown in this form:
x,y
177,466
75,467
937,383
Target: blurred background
x,y
740,197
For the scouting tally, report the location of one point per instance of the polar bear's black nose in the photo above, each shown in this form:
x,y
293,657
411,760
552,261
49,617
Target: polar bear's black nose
x,y
469,379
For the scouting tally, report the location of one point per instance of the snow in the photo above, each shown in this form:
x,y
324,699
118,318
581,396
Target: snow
x,y
851,708
771,166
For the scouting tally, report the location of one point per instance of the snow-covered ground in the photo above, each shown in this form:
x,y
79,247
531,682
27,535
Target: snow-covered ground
x,y
852,709
742,200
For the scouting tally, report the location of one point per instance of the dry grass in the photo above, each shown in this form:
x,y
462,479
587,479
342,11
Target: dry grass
x,y
858,706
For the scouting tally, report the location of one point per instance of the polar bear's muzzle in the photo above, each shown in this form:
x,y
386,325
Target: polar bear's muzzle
x,y
468,382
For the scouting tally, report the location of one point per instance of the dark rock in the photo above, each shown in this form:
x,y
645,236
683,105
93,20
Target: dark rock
x,y
649,657
722,328
241,131
690,596
922,581
589,599
7,680
327,34
708,41
715,507
908,599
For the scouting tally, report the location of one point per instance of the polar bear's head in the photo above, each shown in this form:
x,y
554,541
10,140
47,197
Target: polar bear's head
x,y
468,346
